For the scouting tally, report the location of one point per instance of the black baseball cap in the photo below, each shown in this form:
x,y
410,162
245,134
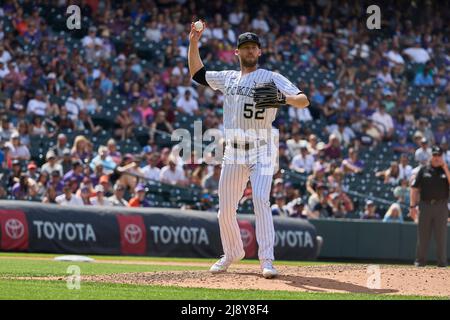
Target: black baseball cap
x,y
436,151
248,37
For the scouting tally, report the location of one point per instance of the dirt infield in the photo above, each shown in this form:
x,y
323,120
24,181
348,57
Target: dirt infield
x,y
399,280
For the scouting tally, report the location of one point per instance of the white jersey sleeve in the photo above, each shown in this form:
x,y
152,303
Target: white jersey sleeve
x,y
284,85
216,79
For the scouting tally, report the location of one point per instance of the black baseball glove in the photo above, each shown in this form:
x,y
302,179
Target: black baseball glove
x,y
267,95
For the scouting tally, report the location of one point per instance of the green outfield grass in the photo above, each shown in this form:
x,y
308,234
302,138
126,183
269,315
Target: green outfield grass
x,y
41,265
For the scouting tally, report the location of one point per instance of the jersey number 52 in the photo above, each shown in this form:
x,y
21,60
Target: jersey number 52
x,y
248,112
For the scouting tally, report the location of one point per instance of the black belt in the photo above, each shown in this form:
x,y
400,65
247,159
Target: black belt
x,y
434,201
248,145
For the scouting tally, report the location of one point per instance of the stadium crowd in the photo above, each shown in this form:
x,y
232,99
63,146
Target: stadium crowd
x,y
388,87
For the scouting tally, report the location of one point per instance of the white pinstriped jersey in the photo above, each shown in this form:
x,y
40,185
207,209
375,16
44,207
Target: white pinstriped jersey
x,y
238,109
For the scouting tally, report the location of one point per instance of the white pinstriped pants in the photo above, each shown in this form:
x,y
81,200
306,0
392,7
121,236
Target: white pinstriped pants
x,y
232,183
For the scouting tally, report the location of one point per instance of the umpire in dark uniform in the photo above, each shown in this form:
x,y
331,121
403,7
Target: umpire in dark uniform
x,y
430,193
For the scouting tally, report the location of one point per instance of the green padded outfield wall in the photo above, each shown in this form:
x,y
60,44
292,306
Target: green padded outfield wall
x,y
367,240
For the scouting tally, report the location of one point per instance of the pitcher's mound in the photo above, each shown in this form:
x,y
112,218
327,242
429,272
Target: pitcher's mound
x,y
399,280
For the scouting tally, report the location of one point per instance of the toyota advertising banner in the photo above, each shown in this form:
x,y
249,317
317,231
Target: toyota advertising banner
x,y
36,227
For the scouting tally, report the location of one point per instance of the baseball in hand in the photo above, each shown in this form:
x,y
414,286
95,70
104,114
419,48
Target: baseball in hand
x,y
198,25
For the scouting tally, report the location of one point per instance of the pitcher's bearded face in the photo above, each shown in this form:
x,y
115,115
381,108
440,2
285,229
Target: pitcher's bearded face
x,y
248,54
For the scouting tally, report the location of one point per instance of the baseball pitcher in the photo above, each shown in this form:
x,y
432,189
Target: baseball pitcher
x,y
252,97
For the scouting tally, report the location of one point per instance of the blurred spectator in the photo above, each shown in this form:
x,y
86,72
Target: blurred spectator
x,y
283,156
61,144
139,199
38,128
84,122
318,203
6,129
90,103
99,199
153,32
369,134
147,112
63,120
442,134
337,206
335,179
384,122
424,128
51,164
50,196
344,199
66,161
315,179
303,162
402,145
85,196
104,159
68,198
313,144
343,132
259,23
74,104
159,127
151,171
445,152
23,131
117,199
424,77
370,211
97,174
5,56
32,171
81,149
76,172
294,144
210,183
390,175
91,43
129,172
41,185
38,105
198,173
16,149
298,209
24,188
394,214
300,114
113,152
320,193
187,104
384,76
333,149
279,207
55,182
416,53
401,192
423,154
352,164
405,170
291,192
107,188
124,125
172,174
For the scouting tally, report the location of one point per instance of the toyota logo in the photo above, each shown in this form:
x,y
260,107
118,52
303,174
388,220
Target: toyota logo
x,y
247,237
133,233
14,229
